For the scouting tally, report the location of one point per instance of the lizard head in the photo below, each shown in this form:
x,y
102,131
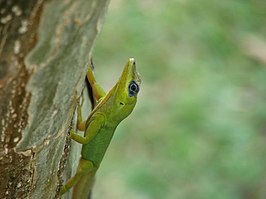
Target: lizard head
x,y
127,88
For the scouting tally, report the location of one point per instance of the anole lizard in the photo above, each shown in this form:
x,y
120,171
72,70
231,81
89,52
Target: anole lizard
x,y
100,125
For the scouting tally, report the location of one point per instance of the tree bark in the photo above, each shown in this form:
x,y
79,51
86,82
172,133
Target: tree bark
x,y
44,50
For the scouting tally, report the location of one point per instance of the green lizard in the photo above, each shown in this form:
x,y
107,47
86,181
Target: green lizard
x,y
100,125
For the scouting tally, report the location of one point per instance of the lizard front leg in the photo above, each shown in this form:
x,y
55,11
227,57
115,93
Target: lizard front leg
x,y
97,90
92,129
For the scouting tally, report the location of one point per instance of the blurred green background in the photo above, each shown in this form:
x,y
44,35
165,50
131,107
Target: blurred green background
x,y
199,127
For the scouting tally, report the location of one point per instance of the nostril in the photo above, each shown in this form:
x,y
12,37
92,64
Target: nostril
x,y
121,103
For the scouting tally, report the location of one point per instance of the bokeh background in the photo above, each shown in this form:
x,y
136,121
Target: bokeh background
x,y
199,127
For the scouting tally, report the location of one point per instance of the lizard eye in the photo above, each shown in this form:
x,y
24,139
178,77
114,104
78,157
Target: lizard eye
x,y
133,88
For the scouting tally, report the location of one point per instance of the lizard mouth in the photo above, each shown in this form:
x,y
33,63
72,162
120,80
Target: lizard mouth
x,y
133,70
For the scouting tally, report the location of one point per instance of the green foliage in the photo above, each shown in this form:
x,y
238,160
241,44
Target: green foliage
x,y
198,131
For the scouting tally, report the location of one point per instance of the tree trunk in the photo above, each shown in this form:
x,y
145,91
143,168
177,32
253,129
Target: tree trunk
x,y
44,50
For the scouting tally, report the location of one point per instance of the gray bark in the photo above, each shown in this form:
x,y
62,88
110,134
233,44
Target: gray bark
x,y
44,50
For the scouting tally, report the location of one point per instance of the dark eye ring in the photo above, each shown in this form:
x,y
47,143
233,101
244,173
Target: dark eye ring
x,y
133,88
